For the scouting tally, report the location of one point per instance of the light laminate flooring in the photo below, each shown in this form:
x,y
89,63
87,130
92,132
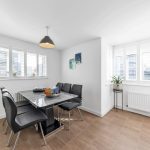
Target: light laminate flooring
x,y
116,131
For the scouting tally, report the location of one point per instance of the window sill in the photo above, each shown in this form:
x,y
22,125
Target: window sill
x,y
23,78
143,83
133,83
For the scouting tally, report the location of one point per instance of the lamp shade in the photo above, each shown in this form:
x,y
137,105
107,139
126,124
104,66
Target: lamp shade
x,y
46,42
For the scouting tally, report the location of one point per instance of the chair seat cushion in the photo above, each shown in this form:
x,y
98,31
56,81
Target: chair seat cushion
x,y
69,105
76,100
24,109
30,118
22,103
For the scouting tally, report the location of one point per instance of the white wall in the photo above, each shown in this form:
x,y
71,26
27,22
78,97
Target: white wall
x,y
87,73
53,57
106,73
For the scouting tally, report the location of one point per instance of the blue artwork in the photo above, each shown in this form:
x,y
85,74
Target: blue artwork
x,y
78,58
72,64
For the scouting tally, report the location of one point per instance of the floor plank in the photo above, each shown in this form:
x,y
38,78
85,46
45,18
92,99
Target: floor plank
x,y
116,131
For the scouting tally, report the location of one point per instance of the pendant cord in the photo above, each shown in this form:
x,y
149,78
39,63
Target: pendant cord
x,y
47,29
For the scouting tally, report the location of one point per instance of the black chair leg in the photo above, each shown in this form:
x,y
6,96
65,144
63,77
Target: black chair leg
x,y
58,114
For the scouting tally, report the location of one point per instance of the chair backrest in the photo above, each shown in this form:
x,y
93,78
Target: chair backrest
x,y
59,85
6,91
2,88
77,90
11,111
66,87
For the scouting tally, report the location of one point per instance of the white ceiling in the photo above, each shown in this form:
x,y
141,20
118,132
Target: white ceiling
x,y
75,21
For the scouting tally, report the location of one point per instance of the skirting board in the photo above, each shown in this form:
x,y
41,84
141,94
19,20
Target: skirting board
x,y
90,111
2,116
135,111
106,112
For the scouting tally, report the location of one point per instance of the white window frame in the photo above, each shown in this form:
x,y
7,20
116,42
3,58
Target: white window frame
x,y
125,59
124,55
9,51
24,53
36,75
114,56
139,69
142,68
25,77
46,65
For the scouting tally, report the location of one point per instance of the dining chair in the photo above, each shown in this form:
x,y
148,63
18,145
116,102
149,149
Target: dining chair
x,y
19,122
18,103
73,103
59,85
21,107
66,87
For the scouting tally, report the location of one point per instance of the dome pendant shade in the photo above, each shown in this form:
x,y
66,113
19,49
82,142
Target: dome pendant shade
x,y
46,42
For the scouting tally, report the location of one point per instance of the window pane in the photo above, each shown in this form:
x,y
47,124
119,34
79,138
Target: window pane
x,y
42,65
18,63
119,71
131,67
146,66
31,64
4,62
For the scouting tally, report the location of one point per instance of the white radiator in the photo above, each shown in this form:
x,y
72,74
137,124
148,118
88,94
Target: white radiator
x,y
139,101
19,97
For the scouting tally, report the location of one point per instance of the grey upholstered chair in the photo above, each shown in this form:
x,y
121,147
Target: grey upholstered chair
x,y
22,107
59,85
19,122
73,103
66,87
19,103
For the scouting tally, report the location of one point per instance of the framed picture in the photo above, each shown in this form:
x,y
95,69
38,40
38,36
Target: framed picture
x,y
78,58
72,64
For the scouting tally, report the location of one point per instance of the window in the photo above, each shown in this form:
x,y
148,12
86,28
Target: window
x,y
145,60
131,67
131,62
17,63
119,71
4,62
42,66
146,66
125,62
118,63
31,64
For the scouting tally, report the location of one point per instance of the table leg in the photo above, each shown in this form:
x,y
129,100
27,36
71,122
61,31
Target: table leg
x,y
51,124
122,101
114,101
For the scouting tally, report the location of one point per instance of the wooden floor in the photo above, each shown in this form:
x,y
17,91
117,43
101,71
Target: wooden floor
x,y
116,131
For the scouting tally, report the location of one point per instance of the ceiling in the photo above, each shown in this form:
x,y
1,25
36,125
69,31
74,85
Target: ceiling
x,y
75,21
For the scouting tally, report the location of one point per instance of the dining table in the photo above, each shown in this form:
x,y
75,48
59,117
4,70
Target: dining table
x,y
46,104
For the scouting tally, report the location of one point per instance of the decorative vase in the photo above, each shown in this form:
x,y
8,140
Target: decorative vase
x,y
14,74
117,86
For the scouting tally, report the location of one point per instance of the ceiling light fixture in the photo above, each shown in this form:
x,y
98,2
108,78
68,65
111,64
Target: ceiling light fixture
x,y
47,42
